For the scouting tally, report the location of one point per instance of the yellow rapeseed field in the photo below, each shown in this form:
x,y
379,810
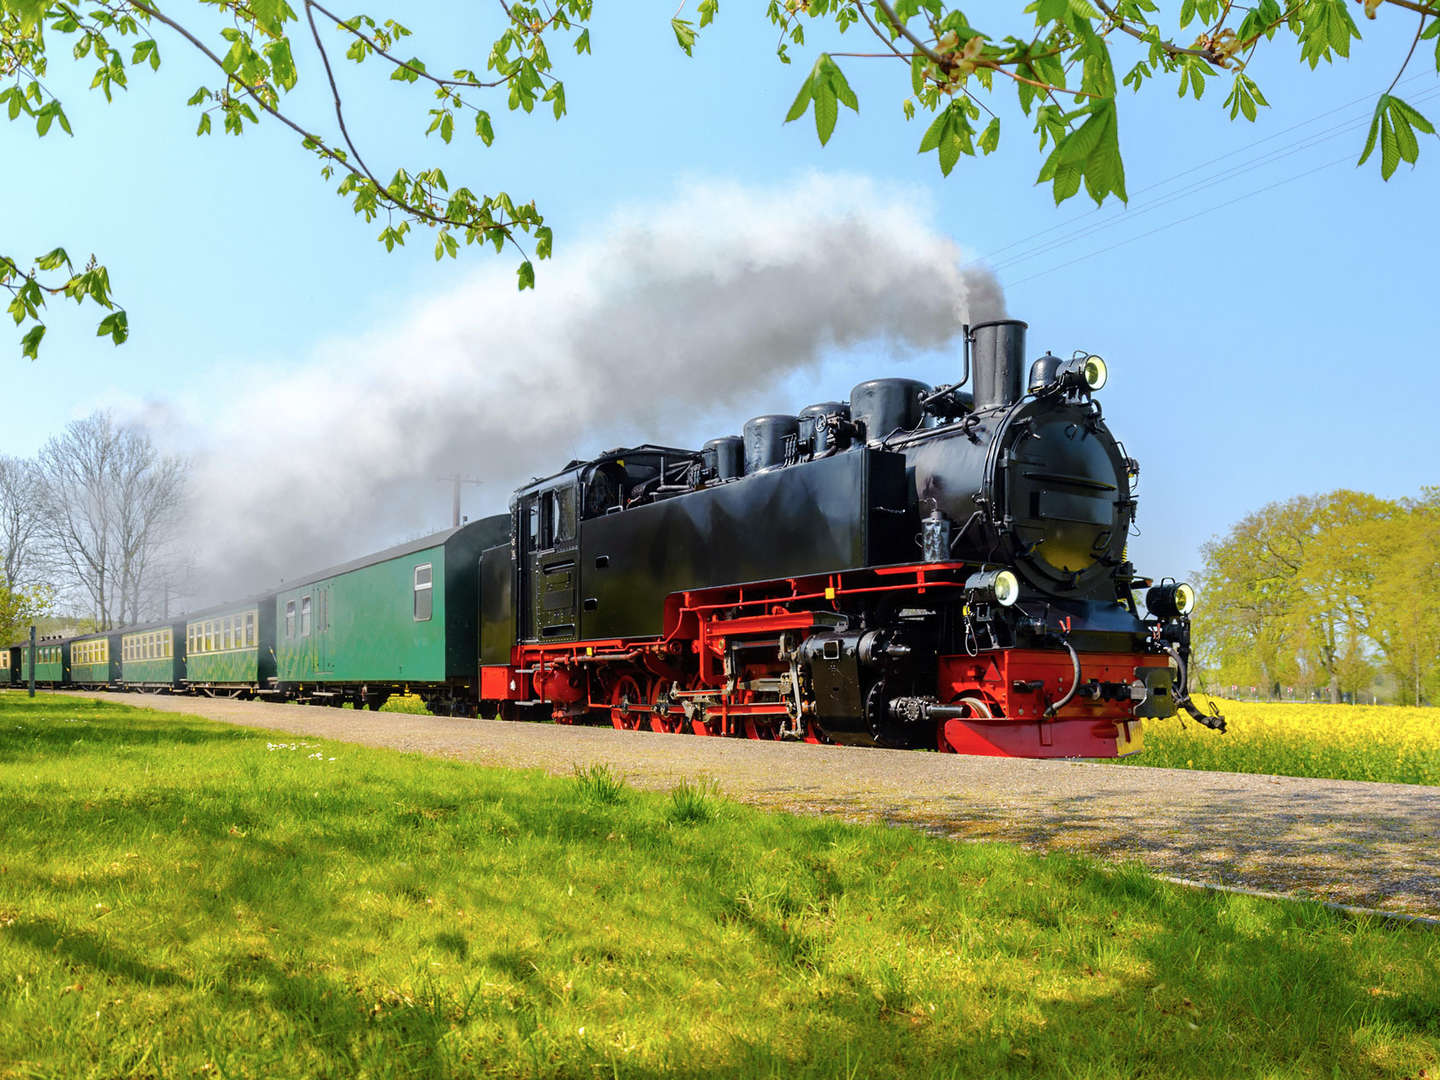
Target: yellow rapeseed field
x,y
1389,743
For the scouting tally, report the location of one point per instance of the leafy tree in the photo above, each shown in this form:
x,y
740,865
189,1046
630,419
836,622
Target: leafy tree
x,y
1325,592
20,606
256,53
1061,59
1062,68
1248,594
1405,613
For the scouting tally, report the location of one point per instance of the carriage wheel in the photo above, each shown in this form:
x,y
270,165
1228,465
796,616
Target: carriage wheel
x,y
628,707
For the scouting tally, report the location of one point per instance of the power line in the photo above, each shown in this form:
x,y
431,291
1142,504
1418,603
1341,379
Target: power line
x,y
1187,171
1183,220
1309,142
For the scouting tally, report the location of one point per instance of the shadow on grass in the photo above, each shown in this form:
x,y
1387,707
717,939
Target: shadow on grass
x,y
83,948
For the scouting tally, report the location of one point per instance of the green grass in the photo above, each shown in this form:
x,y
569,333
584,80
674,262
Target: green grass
x,y
1388,744
184,899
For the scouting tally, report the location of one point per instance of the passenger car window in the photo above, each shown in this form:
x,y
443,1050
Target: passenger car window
x,y
290,618
305,616
424,592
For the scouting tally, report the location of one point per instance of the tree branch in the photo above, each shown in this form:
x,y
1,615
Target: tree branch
x,y
315,141
1169,47
1409,55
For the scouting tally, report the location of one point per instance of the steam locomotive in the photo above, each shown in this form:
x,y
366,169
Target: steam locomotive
x,y
927,567
917,567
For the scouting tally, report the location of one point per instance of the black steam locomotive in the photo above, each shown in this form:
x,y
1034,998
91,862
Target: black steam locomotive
x,y
919,567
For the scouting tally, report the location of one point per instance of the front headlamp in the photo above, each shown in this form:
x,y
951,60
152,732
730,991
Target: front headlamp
x,y
1088,373
1170,598
1095,372
994,587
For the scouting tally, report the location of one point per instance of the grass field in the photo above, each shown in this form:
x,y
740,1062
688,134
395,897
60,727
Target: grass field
x,y
1394,744
184,899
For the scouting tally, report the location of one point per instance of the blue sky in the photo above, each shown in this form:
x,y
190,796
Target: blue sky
x,y
1278,345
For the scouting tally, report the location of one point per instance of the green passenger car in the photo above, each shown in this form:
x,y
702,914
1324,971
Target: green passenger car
x,y
402,619
52,662
95,660
153,656
9,665
232,647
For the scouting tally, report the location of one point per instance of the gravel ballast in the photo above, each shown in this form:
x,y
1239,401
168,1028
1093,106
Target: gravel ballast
x,y
1373,845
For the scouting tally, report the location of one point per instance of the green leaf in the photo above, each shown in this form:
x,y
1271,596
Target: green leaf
x,y
527,275
282,64
935,132
990,137
1411,114
116,325
802,99
582,43
204,126
544,242
837,82
684,35
1374,130
30,343
826,111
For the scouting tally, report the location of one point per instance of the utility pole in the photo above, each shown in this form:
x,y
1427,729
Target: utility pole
x,y
32,659
456,480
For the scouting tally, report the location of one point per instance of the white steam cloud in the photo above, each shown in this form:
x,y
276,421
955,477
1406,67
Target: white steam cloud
x,y
688,312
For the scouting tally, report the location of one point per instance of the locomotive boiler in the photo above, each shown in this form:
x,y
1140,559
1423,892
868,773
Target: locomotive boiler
x,y
917,566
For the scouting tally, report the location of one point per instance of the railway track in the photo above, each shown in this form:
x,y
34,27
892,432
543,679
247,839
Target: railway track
x,y
1371,845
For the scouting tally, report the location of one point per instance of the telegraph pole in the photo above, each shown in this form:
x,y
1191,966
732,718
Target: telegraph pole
x,y
456,480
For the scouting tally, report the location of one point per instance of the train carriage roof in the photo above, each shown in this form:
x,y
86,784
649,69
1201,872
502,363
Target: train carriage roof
x,y
399,551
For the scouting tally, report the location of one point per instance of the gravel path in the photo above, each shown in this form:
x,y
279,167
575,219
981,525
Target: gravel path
x,y
1375,845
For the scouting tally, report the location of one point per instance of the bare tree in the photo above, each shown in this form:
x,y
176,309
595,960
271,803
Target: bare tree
x,y
19,522
111,508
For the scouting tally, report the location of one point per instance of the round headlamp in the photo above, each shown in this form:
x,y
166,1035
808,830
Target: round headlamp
x,y
994,586
1170,598
1095,372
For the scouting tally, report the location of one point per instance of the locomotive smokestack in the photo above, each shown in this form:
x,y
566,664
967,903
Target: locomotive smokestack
x,y
997,352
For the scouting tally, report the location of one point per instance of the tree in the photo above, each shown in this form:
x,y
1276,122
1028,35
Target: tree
x,y
1061,64
1070,53
111,502
1248,594
257,65
1324,592
1405,622
20,606
19,521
